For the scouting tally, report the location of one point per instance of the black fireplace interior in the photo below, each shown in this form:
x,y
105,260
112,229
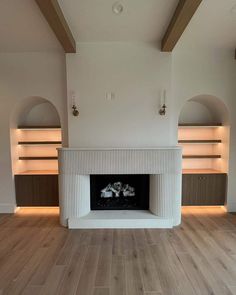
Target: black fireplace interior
x,y
119,192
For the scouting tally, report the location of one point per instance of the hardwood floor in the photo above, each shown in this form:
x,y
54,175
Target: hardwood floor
x,y
38,256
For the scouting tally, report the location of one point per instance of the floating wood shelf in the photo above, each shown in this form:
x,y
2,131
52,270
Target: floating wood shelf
x,y
38,142
201,156
201,171
38,158
39,127
38,172
210,141
213,124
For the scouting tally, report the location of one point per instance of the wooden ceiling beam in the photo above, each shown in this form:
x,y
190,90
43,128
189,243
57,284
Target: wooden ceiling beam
x,y
182,16
56,20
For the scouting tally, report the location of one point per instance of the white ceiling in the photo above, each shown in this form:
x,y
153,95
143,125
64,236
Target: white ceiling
x,y
23,28
212,26
141,20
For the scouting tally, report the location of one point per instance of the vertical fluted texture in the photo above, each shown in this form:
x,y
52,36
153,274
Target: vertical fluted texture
x,y
74,196
163,165
161,197
120,161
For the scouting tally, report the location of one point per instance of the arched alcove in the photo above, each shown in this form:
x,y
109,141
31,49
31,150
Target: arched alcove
x,y
35,136
204,109
203,133
41,114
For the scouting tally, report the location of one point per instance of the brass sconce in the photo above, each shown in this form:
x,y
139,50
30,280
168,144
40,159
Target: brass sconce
x,y
162,110
75,111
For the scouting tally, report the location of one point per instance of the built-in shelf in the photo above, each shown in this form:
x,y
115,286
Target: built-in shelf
x,y
38,127
38,158
212,124
201,156
48,139
199,141
38,142
201,171
38,172
206,138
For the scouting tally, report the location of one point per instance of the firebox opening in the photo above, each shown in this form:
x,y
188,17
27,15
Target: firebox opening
x,y
119,192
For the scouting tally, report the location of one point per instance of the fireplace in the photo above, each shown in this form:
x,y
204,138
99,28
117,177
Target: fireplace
x,y
119,192
78,167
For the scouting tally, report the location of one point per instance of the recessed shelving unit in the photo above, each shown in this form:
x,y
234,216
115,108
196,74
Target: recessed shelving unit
x,y
203,134
202,183
201,143
35,140
37,147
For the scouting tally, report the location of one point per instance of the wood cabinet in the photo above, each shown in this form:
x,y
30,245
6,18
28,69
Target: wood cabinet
x,y
36,190
204,189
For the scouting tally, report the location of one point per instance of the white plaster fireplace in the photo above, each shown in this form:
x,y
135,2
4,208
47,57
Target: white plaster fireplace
x,y
162,164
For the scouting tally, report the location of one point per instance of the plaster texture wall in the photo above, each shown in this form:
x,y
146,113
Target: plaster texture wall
x,y
23,75
118,88
135,74
211,73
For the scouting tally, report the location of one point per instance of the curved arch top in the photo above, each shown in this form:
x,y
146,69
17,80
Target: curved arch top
x,y
204,109
35,111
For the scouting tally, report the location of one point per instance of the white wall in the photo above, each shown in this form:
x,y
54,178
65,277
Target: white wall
x,y
195,112
208,73
23,75
41,114
136,73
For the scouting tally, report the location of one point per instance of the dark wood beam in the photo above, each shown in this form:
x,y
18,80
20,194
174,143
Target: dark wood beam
x,y
55,18
182,16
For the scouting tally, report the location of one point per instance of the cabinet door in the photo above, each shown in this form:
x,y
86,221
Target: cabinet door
x,y
191,189
24,190
45,190
36,190
204,189
216,185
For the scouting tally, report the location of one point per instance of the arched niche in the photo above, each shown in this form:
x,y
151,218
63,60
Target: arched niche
x,y
208,111
37,111
32,111
204,109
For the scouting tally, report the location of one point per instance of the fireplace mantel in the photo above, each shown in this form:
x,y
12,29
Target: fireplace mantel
x,y
162,164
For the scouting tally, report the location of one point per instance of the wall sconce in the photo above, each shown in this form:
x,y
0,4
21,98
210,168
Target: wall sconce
x,y
75,111
162,110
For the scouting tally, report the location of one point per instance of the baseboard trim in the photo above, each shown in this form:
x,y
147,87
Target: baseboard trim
x,y
231,207
7,208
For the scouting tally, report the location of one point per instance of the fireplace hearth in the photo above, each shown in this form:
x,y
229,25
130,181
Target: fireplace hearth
x,y
78,166
119,192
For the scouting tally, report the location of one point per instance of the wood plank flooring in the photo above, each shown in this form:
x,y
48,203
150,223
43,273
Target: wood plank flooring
x,y
39,257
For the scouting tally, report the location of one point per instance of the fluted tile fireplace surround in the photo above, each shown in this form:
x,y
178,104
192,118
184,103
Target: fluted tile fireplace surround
x,y
163,165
